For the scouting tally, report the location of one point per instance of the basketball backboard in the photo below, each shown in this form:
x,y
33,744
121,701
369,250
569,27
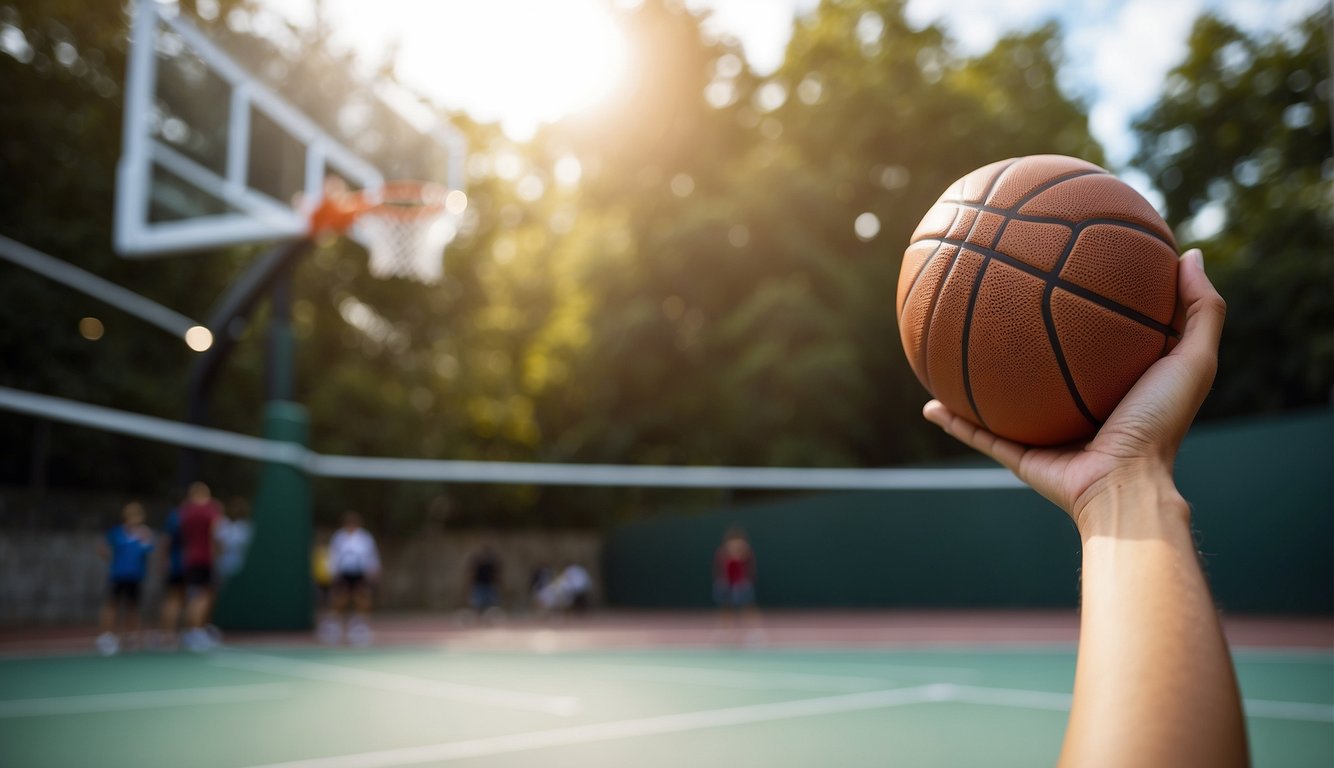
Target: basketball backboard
x,y
213,157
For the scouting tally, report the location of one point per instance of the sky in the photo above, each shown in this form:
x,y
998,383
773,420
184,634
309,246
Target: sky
x,y
477,55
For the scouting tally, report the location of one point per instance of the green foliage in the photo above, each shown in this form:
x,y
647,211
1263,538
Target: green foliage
x,y
697,296
1243,128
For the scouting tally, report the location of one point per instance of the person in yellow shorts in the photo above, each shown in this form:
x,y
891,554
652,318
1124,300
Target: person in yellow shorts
x,y
321,572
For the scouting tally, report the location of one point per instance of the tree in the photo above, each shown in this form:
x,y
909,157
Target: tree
x,y
699,294
1240,144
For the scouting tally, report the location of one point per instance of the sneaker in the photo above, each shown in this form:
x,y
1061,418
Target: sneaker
x,y
330,632
359,634
108,644
197,641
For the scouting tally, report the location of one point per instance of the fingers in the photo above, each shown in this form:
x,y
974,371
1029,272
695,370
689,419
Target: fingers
x,y
1205,310
1007,452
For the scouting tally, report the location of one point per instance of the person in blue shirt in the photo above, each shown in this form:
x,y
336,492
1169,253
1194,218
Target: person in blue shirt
x,y
173,587
126,547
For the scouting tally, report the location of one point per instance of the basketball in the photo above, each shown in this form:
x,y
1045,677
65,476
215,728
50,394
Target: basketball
x,y
1033,295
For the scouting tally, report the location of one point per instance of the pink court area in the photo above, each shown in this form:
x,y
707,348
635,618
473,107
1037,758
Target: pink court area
x,y
775,629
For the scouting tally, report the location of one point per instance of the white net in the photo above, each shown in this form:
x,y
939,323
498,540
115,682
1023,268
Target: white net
x,y
411,248
406,233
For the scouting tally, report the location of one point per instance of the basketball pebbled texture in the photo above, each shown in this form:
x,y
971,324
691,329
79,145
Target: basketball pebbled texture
x,y
1034,294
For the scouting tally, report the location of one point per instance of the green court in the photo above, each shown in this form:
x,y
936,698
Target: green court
x,y
434,706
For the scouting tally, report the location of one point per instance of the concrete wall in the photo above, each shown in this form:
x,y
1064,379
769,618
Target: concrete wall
x,y
57,577
430,572
50,578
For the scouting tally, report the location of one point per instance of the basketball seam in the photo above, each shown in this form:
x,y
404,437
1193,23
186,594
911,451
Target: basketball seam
x,y
931,309
927,261
1049,184
1054,338
967,333
1061,362
1074,226
1006,216
1074,288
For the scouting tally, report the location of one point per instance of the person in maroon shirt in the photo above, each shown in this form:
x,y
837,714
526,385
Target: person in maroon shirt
x,y
734,582
200,514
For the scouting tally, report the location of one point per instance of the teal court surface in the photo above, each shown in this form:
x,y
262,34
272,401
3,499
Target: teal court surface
x,y
540,703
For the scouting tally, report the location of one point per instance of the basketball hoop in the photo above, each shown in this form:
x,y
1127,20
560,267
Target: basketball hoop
x,y
405,225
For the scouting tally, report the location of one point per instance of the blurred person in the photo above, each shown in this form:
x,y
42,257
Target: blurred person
x,y
568,593
200,516
234,533
321,570
126,547
355,563
1154,682
734,574
538,579
579,587
484,569
173,579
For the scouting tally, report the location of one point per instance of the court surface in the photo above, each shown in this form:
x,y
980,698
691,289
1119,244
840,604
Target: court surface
x,y
553,703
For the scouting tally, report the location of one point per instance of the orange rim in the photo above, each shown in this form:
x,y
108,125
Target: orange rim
x,y
401,200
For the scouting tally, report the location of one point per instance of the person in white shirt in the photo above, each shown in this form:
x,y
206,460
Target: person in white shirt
x,y
568,592
355,563
234,533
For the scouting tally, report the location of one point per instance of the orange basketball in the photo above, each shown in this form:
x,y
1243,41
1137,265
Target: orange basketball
x,y
1034,294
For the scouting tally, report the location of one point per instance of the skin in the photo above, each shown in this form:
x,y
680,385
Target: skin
x,y
1154,683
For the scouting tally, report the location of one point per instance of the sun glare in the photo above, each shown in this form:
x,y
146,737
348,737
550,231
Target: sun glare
x,y
522,62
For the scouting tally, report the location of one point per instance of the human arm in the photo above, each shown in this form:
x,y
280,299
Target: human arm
x,y
1154,684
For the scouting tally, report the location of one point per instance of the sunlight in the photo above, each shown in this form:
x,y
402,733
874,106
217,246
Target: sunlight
x,y
521,62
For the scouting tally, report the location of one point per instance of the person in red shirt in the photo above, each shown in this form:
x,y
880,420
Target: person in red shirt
x,y
734,581
200,514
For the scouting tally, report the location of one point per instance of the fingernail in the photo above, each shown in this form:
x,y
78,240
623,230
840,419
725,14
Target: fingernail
x,y
1197,256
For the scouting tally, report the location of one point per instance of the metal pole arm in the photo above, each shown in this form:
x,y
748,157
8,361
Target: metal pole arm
x,y
236,303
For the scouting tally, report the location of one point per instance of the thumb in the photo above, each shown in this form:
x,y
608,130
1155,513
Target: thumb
x,y
1205,311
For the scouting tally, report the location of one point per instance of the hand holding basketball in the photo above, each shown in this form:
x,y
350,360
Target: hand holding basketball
x,y
1141,438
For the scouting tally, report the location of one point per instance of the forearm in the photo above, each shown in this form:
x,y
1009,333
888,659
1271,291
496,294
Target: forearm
x,y
1154,683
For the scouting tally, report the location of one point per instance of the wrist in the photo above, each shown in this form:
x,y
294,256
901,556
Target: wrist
x,y
1135,500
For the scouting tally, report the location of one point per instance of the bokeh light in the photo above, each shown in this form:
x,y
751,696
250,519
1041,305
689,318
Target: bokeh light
x,y
456,201
199,338
91,328
867,226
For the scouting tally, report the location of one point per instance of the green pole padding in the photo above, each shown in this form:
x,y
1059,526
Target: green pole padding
x,y
273,589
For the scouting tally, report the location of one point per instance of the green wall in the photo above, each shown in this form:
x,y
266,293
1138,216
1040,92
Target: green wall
x,y
1263,493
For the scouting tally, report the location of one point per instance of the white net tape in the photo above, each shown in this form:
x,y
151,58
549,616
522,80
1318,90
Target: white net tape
x,y
437,471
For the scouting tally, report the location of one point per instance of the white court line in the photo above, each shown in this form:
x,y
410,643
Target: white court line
x,y
625,729
899,670
1294,655
752,680
112,702
565,706
1289,710
1011,697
